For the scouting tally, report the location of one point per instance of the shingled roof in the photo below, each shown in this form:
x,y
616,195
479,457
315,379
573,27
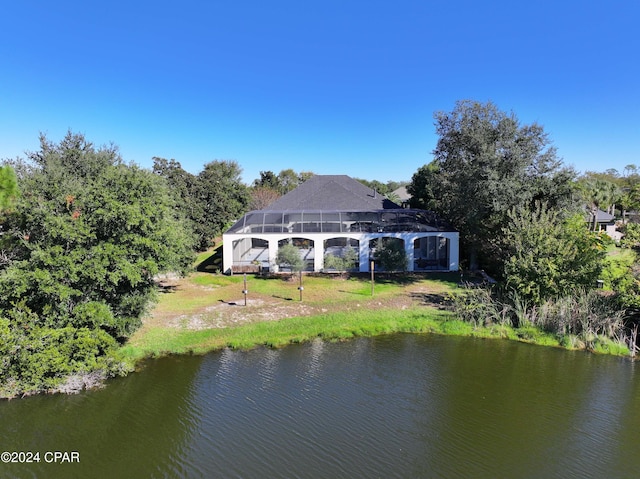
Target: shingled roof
x,y
332,192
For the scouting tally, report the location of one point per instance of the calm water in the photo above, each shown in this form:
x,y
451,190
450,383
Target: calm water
x,y
398,406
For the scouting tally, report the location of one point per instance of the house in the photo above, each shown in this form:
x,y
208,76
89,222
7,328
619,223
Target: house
x,y
402,195
328,214
604,222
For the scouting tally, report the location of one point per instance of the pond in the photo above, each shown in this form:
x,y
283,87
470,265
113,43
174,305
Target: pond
x,y
392,406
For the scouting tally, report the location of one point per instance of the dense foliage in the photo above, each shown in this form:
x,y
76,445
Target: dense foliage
x,y
211,200
82,247
583,320
8,187
283,182
289,256
546,256
346,261
486,163
390,254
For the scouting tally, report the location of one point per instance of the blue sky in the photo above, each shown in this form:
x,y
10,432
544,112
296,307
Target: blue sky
x,y
335,87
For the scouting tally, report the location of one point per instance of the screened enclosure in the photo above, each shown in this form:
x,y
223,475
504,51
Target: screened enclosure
x,y
398,220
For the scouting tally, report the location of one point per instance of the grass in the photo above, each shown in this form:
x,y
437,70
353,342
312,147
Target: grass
x,y
334,326
331,327
335,309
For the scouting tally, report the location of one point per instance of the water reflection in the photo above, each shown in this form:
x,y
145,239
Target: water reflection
x,y
395,406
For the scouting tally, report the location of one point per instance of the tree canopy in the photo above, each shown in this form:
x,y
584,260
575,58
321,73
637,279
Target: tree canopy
x,y
83,245
547,256
486,163
210,200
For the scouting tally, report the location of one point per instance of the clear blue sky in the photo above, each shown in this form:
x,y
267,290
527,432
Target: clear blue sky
x,y
335,87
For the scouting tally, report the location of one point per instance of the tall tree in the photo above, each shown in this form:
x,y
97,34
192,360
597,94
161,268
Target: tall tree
x,y
90,229
86,238
268,179
486,163
261,197
222,195
210,200
422,187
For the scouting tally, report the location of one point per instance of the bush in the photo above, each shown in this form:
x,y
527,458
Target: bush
x,y
289,256
391,255
347,261
40,359
586,318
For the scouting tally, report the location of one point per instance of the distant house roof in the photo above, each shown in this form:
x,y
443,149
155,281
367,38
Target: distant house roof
x,y
601,217
402,193
332,192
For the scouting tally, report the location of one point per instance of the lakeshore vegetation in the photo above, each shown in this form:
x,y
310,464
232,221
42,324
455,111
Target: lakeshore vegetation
x,y
85,237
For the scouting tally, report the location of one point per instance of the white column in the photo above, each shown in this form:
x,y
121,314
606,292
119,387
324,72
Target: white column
x,y
454,251
364,253
227,254
408,248
318,260
273,253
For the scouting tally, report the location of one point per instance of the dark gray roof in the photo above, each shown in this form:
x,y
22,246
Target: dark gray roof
x,y
332,192
601,216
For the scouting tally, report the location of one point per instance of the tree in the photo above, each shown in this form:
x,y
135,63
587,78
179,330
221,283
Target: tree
x,y
268,179
485,163
283,182
87,237
91,229
599,194
422,187
390,254
347,260
211,200
288,180
548,256
289,256
222,194
261,197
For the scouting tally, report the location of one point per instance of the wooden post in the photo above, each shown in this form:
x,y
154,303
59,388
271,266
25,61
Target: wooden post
x,y
372,276
300,288
245,291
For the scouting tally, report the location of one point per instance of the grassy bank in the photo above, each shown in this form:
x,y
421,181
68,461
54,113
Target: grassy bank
x,y
334,326
206,312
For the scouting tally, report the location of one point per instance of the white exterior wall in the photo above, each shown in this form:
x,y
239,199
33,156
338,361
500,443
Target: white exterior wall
x,y
318,242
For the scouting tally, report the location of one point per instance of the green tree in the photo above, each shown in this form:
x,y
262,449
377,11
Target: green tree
x,y
90,230
485,163
288,180
599,194
289,256
423,187
85,240
390,254
222,194
347,260
210,200
268,179
548,256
